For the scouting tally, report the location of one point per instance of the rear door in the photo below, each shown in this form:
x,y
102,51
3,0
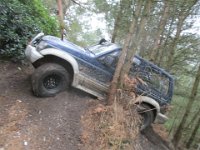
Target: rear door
x,y
155,83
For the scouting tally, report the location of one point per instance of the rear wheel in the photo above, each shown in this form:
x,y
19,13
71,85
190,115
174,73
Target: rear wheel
x,y
49,79
147,115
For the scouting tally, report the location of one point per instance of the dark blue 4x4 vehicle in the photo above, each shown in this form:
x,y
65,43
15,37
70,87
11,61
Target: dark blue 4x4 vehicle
x,y
61,63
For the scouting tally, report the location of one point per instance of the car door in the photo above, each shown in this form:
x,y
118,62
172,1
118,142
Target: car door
x,y
98,72
109,61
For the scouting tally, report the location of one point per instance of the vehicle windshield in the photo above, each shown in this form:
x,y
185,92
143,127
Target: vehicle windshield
x,y
102,48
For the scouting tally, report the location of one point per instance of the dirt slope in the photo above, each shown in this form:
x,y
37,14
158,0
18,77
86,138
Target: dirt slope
x,y
30,123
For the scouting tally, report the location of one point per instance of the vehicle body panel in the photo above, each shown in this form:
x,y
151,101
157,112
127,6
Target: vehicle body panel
x,y
93,75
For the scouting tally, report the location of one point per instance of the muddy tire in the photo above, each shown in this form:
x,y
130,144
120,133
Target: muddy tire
x,y
147,115
49,79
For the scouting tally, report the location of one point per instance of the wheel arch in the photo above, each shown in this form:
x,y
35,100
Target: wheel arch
x,y
150,102
62,58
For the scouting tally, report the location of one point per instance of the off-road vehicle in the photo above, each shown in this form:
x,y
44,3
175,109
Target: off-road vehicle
x,y
60,63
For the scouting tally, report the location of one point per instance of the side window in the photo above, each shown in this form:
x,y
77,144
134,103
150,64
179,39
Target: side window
x,y
111,59
157,81
152,78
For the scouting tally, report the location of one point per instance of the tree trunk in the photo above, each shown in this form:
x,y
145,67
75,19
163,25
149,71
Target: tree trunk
x,y
143,44
193,135
114,83
181,18
132,49
60,16
193,119
162,52
161,28
117,22
142,24
178,133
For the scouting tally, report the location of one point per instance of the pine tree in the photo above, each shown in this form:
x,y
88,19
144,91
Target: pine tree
x,y
178,133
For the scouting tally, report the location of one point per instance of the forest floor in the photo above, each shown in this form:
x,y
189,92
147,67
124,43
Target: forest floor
x,y
29,123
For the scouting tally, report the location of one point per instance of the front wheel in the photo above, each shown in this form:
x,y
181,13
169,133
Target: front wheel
x,y
49,79
147,115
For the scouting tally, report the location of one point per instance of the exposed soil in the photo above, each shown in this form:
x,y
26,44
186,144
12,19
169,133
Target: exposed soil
x,y
29,123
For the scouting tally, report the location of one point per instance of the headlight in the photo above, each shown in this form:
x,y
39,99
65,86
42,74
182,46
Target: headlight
x,y
42,45
38,36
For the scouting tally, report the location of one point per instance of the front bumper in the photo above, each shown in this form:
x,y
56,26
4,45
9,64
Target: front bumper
x,y
32,54
161,118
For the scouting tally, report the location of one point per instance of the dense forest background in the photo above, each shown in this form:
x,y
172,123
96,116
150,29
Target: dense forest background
x,y
166,32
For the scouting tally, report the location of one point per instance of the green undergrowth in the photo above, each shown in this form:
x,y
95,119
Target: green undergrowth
x,y
176,113
20,21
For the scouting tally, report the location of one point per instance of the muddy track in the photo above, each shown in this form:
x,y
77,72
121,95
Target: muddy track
x,y
30,123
